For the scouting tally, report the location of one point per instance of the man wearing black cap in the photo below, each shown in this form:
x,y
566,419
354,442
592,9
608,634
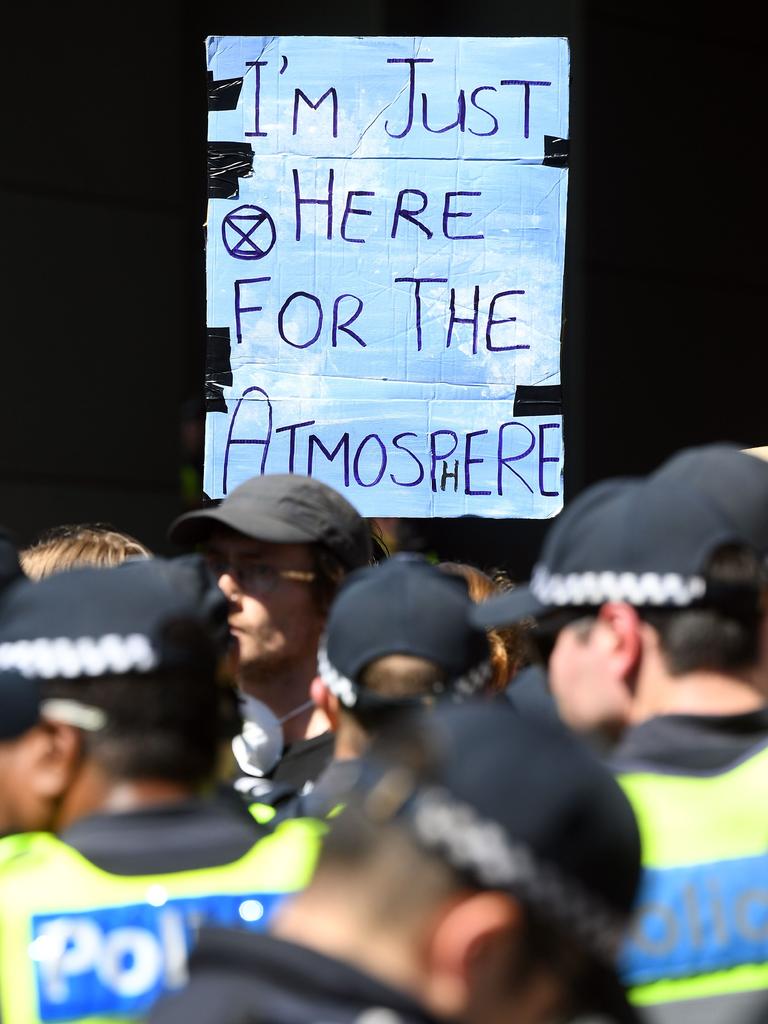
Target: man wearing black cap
x,y
397,638
482,872
279,545
113,724
651,594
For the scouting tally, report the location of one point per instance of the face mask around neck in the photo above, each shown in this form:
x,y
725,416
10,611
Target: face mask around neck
x,y
260,745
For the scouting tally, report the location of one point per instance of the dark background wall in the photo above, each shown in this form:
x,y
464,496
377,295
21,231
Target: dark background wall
x,y
102,200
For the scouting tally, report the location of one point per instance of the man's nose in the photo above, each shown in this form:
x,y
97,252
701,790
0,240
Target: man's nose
x,y
229,586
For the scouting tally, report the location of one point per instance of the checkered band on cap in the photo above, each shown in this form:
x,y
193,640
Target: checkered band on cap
x,y
468,685
338,684
65,658
595,588
483,848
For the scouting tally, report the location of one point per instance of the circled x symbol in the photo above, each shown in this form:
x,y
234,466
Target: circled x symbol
x,y
248,232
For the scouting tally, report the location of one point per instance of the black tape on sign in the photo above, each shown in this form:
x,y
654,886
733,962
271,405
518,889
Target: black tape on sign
x,y
214,399
218,369
224,94
537,400
555,151
227,163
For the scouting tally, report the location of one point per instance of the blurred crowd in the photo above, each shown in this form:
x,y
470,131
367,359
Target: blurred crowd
x,y
289,777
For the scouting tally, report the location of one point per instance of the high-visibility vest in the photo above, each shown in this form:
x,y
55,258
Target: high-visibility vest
x,y
81,944
266,814
698,950
11,846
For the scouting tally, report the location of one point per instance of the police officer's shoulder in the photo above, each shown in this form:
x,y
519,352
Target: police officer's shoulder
x,y
19,851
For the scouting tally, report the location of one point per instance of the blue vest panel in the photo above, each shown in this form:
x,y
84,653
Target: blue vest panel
x,y
119,960
698,919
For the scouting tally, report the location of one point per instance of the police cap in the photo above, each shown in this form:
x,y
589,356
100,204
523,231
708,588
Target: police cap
x,y
403,605
518,805
92,622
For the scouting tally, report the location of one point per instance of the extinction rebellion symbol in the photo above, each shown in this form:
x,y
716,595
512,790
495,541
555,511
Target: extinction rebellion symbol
x,y
248,233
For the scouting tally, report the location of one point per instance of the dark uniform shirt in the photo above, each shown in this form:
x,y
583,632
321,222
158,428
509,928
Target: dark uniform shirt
x,y
303,760
329,794
181,836
239,978
691,743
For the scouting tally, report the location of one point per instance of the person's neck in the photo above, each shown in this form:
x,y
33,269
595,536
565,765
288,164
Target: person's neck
x,y
283,688
697,693
346,935
350,739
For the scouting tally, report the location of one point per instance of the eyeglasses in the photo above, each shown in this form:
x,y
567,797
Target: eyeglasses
x,y
254,576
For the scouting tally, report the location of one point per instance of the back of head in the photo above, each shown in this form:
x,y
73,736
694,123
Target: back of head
x,y
721,633
473,798
128,654
543,789
397,635
79,544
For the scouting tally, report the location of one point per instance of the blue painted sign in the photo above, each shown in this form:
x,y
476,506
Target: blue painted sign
x,y
385,246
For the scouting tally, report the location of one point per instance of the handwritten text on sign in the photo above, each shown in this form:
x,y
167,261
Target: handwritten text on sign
x,y
387,265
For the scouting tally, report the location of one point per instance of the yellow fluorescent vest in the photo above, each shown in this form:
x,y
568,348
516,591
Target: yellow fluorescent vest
x,y
81,944
12,846
701,929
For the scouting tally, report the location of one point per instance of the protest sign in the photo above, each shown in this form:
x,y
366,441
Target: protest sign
x,y
385,246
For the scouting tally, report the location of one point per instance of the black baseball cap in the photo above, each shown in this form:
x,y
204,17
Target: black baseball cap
x,y
518,805
120,620
284,508
643,540
403,605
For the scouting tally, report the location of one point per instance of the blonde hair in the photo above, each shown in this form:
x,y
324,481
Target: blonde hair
x,y
507,643
71,545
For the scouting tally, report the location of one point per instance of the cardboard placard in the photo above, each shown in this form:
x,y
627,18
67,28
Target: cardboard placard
x,y
385,247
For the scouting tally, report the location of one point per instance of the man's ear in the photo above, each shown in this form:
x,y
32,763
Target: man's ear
x,y
473,936
475,969
622,633
326,701
53,757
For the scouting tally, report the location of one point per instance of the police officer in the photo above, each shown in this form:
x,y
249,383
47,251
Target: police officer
x,y
397,638
482,872
96,920
653,592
